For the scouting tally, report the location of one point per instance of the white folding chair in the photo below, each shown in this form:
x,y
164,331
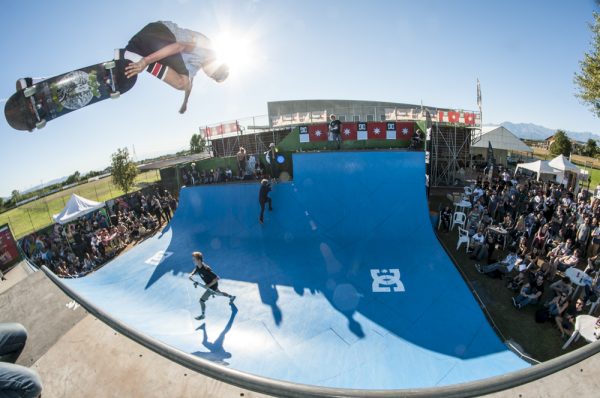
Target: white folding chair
x,y
458,218
463,237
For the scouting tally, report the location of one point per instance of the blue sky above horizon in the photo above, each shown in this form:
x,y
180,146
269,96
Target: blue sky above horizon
x,y
525,54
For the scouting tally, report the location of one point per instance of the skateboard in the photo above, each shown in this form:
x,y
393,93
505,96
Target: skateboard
x,y
202,285
32,107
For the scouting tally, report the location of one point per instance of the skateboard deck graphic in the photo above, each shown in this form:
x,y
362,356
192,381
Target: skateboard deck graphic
x,y
49,99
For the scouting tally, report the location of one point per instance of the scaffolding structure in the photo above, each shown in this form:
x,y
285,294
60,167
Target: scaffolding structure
x,y
256,142
450,153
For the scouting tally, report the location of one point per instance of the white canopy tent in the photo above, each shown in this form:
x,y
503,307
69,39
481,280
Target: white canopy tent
x,y
539,167
75,208
503,142
563,164
568,172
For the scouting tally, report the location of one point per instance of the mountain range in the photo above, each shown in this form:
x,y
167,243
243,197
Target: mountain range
x,y
535,132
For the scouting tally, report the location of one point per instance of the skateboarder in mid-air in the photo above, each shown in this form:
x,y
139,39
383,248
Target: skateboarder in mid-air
x,y
210,279
174,55
169,52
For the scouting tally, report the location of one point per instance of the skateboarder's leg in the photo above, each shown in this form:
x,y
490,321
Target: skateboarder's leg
x,y
224,294
176,80
203,299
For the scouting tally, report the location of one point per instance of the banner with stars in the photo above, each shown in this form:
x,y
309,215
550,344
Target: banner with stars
x,y
349,132
359,131
318,132
406,130
376,130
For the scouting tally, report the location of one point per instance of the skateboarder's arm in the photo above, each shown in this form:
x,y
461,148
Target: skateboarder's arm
x,y
173,48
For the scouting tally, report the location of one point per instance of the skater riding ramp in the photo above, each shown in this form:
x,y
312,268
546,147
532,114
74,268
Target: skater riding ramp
x,y
345,285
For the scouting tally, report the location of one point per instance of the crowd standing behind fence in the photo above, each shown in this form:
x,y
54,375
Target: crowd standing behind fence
x,y
79,247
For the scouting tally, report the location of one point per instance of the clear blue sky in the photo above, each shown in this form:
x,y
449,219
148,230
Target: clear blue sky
x,y
525,54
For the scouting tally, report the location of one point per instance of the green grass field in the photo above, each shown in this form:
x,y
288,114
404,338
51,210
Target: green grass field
x,y
37,214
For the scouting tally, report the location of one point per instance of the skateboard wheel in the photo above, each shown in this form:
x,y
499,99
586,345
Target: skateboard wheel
x,y
29,91
41,124
115,95
109,65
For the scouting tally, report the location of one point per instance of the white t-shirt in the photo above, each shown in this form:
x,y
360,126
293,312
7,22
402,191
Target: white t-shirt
x,y
203,53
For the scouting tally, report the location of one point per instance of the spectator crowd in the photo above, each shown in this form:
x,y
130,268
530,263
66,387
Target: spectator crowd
x,y
529,234
249,167
79,247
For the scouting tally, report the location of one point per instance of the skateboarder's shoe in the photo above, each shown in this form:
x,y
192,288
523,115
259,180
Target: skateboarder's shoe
x,y
24,82
121,53
199,317
231,299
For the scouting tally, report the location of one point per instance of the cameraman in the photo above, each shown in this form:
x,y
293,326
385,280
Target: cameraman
x,y
263,198
335,129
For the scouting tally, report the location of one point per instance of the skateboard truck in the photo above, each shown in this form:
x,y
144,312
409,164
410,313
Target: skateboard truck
x,y
29,92
110,66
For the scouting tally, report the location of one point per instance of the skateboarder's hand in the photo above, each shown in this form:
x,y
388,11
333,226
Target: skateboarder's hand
x,y
135,67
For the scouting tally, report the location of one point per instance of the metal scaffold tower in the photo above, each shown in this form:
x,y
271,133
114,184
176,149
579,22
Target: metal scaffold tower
x,y
450,153
255,142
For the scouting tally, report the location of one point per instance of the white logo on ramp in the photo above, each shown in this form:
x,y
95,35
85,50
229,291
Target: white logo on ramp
x,y
386,280
72,305
158,258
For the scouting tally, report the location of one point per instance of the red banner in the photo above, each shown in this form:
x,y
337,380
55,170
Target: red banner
x,y
8,247
318,132
376,131
220,129
348,131
405,131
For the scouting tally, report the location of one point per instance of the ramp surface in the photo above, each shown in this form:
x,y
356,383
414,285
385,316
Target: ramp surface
x,y
345,285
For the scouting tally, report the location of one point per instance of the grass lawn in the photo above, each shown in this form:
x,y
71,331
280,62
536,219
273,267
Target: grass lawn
x,y
538,341
35,215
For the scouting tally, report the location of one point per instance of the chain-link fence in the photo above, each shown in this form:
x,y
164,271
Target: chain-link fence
x,y
37,214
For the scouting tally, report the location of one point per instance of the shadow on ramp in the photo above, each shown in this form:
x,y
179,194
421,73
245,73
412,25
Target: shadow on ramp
x,y
345,285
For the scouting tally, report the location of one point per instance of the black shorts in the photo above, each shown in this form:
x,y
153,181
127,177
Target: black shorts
x,y
152,38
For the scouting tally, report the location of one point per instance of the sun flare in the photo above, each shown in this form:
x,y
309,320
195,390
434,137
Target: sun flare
x,y
235,49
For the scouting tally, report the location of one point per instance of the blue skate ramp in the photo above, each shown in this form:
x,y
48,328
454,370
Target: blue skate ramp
x,y
345,285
